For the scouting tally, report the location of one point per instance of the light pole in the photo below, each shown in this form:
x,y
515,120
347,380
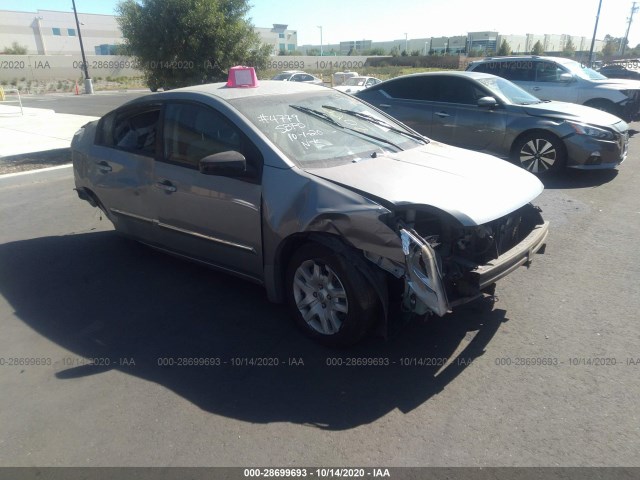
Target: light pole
x,y
406,44
593,40
320,27
634,9
88,85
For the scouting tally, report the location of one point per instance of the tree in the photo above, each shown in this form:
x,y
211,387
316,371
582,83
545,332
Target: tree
x,y
187,42
612,45
538,49
15,49
374,51
504,49
569,49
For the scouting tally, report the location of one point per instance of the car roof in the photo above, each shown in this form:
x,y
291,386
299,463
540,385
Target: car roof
x,y
526,57
449,73
220,90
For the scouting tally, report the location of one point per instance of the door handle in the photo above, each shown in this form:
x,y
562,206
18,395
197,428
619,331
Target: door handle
x,y
384,105
104,167
536,88
442,114
167,186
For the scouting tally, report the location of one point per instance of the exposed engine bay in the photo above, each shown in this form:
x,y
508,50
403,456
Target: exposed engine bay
x,y
448,264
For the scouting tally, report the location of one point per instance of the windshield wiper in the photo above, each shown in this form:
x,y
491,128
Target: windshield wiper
x,y
329,119
318,114
377,121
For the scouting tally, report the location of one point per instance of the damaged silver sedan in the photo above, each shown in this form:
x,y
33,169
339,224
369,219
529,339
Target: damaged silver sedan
x,y
337,209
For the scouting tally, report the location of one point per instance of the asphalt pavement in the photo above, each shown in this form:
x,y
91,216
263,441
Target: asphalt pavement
x,y
39,134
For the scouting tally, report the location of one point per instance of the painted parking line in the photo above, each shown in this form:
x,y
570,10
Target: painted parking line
x,y
38,170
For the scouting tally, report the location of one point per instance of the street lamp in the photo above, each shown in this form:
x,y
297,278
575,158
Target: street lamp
x,y
593,39
88,86
406,44
320,27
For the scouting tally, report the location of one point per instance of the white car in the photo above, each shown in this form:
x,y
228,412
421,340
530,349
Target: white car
x,y
298,76
565,80
355,84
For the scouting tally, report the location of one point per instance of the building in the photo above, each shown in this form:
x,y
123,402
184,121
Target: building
x,y
281,39
49,32
354,46
482,41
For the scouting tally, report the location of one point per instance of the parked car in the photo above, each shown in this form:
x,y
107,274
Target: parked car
x,y
490,114
355,84
620,70
340,77
297,76
565,80
335,208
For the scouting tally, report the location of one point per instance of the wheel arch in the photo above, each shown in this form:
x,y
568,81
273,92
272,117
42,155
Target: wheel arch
x,y
525,133
376,277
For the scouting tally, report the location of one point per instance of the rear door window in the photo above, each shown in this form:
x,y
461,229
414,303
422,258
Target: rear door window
x,y
413,88
134,130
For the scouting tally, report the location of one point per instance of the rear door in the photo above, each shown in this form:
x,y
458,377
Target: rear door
x,y
121,167
210,217
409,99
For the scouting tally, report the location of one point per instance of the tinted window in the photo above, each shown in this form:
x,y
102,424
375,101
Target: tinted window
x,y
458,90
135,130
413,88
191,132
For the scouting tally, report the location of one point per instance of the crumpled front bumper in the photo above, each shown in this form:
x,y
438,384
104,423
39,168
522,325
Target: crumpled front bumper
x,y
424,275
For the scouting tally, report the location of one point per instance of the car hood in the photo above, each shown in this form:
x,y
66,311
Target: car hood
x,y
578,113
473,187
618,83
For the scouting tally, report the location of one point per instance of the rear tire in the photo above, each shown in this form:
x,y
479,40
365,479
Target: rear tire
x,y
329,299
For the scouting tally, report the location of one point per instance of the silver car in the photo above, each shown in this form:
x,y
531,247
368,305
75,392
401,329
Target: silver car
x,y
337,209
487,113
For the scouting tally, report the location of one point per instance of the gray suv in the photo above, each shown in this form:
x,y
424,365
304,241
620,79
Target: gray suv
x,y
483,112
565,80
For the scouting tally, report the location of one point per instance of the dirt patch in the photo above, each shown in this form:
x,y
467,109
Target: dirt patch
x,y
35,160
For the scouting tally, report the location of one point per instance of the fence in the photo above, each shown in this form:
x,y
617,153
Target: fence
x,y
3,97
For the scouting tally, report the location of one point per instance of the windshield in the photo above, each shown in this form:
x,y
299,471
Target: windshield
x,y
325,128
582,71
508,91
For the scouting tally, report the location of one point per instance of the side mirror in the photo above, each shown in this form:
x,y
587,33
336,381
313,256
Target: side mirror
x,y
487,102
565,78
224,163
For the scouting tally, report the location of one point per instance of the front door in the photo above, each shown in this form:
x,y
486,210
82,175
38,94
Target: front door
x,y
209,217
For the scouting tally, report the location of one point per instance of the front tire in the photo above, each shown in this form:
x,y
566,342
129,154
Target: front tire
x,y
328,298
539,152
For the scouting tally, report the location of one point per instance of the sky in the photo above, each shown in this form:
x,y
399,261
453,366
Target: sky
x,y
380,20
